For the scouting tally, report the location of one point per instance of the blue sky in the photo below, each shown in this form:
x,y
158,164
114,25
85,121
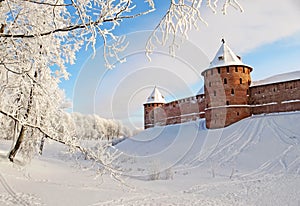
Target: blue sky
x,y
266,35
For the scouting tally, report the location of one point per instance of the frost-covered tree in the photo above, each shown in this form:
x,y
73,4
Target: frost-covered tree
x,y
93,127
39,37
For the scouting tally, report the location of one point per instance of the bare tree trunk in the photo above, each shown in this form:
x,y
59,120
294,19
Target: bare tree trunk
x,y
42,145
20,139
14,151
232,172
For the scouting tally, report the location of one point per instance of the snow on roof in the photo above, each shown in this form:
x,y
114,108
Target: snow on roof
x,y
225,57
278,78
156,97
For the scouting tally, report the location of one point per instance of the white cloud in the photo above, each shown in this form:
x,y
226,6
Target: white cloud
x,y
262,22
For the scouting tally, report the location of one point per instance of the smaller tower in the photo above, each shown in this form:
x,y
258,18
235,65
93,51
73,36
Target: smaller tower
x,y
154,113
226,81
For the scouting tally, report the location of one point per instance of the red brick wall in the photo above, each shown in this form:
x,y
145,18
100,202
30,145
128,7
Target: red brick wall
x,y
273,108
179,111
153,114
276,92
224,116
276,97
219,83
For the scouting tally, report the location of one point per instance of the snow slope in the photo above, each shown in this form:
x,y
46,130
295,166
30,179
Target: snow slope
x,y
254,146
253,162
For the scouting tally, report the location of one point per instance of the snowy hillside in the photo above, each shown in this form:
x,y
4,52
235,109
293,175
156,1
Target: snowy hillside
x,y
278,78
253,162
254,146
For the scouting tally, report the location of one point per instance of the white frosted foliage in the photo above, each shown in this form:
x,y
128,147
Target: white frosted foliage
x,y
181,17
39,39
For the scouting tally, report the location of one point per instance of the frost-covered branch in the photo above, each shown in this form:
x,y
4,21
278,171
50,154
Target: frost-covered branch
x,y
74,22
48,3
181,17
71,27
100,156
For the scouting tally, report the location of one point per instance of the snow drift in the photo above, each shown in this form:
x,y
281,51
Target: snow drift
x,y
253,162
256,145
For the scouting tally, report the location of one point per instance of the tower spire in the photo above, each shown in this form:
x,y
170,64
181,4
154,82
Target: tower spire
x,y
156,96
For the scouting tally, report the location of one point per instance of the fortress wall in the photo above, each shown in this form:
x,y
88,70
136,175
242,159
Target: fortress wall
x,y
276,107
270,98
178,111
276,97
276,92
228,96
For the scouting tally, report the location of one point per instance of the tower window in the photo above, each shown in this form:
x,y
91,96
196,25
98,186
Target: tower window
x,y
241,81
209,84
215,93
227,69
247,91
243,69
225,81
212,72
219,70
236,69
232,91
238,114
227,102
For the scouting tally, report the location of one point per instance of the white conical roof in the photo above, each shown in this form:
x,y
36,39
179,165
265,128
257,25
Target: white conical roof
x,y
155,97
225,57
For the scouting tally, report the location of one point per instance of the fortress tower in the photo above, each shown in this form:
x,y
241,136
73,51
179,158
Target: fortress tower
x,y
227,96
226,87
153,109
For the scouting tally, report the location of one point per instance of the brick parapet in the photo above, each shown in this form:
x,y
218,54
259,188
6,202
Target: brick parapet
x,y
269,98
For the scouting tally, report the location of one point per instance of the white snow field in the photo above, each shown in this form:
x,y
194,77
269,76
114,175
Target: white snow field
x,y
253,162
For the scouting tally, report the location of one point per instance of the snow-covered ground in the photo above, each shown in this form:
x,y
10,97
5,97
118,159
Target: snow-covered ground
x,y
253,162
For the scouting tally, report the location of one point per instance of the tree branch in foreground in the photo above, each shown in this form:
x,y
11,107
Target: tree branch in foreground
x,y
83,150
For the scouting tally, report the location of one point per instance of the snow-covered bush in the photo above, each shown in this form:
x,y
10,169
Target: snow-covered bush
x,y
157,174
93,127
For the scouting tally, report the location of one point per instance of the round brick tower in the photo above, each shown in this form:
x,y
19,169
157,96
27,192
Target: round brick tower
x,y
226,85
153,109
